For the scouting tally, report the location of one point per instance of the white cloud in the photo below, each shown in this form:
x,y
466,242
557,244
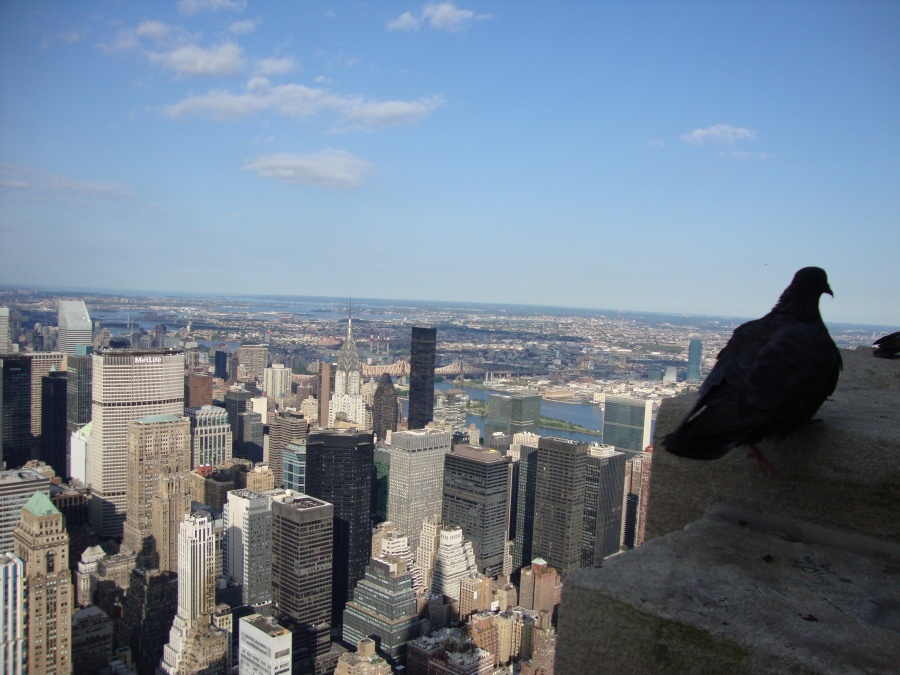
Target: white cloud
x,y
444,16
335,169
191,7
156,30
224,59
299,101
270,67
244,27
49,184
750,155
719,134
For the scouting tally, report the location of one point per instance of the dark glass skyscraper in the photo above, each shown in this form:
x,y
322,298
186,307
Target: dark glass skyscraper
x,y
221,364
339,467
695,352
53,421
15,410
604,488
421,376
384,408
525,489
512,414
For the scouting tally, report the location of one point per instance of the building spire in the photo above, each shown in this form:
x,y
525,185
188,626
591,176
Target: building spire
x,y
350,318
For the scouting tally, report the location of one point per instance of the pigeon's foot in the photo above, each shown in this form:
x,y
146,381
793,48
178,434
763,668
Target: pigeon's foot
x,y
765,466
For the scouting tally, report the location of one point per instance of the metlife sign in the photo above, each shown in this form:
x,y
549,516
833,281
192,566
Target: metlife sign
x,y
147,359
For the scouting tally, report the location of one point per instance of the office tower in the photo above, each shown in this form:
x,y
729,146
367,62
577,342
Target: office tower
x,y
559,503
476,497
512,414
540,587
16,488
43,545
15,410
388,541
416,479
75,327
526,489
627,423
429,543
380,483
294,467
339,466
248,544
277,381
384,409
211,442
53,421
92,639
646,467
302,549
5,342
289,426
454,561
221,365
159,449
421,376
346,400
254,359
149,609
695,354
197,391
383,607
250,436
13,647
237,401
168,508
324,393
41,364
604,485
364,661
196,585
265,647
80,454
474,596
127,385
78,398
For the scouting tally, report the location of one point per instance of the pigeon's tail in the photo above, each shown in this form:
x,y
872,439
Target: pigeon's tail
x,y
682,443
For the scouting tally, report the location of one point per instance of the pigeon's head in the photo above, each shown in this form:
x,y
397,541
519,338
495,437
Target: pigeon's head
x,y
811,281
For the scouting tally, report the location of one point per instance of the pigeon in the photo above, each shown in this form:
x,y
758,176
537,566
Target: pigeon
x,y
769,379
887,346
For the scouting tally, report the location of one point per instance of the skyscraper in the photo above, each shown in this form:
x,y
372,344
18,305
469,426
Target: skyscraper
x,y
13,648
75,328
78,397
265,646
5,342
347,400
150,607
324,393
603,497
41,364
254,359
248,544
197,391
127,385
42,543
512,414
416,478
695,353
16,488
384,409
421,376
159,448
211,442
627,423
250,437
559,503
53,421
289,426
15,410
302,550
339,466
476,497
277,381
221,364
526,489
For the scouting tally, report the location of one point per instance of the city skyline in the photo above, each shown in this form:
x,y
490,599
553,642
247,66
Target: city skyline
x,y
669,158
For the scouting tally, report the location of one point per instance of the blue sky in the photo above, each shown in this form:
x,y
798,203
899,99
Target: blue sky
x,y
661,156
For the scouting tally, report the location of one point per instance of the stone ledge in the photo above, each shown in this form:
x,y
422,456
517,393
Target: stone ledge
x,y
720,596
842,474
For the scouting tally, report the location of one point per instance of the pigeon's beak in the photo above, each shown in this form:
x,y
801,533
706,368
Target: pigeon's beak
x,y
828,290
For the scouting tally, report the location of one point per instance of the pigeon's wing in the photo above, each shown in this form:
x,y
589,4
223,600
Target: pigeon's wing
x,y
888,346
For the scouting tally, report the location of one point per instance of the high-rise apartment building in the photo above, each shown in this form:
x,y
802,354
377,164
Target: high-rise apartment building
x,y
476,497
265,646
512,414
277,381
526,489
627,423
695,354
302,550
16,488
13,649
248,544
421,376
75,327
42,543
604,485
384,408
289,426
211,442
53,421
15,410
559,503
41,364
383,606
254,359
159,448
416,478
127,385
339,466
